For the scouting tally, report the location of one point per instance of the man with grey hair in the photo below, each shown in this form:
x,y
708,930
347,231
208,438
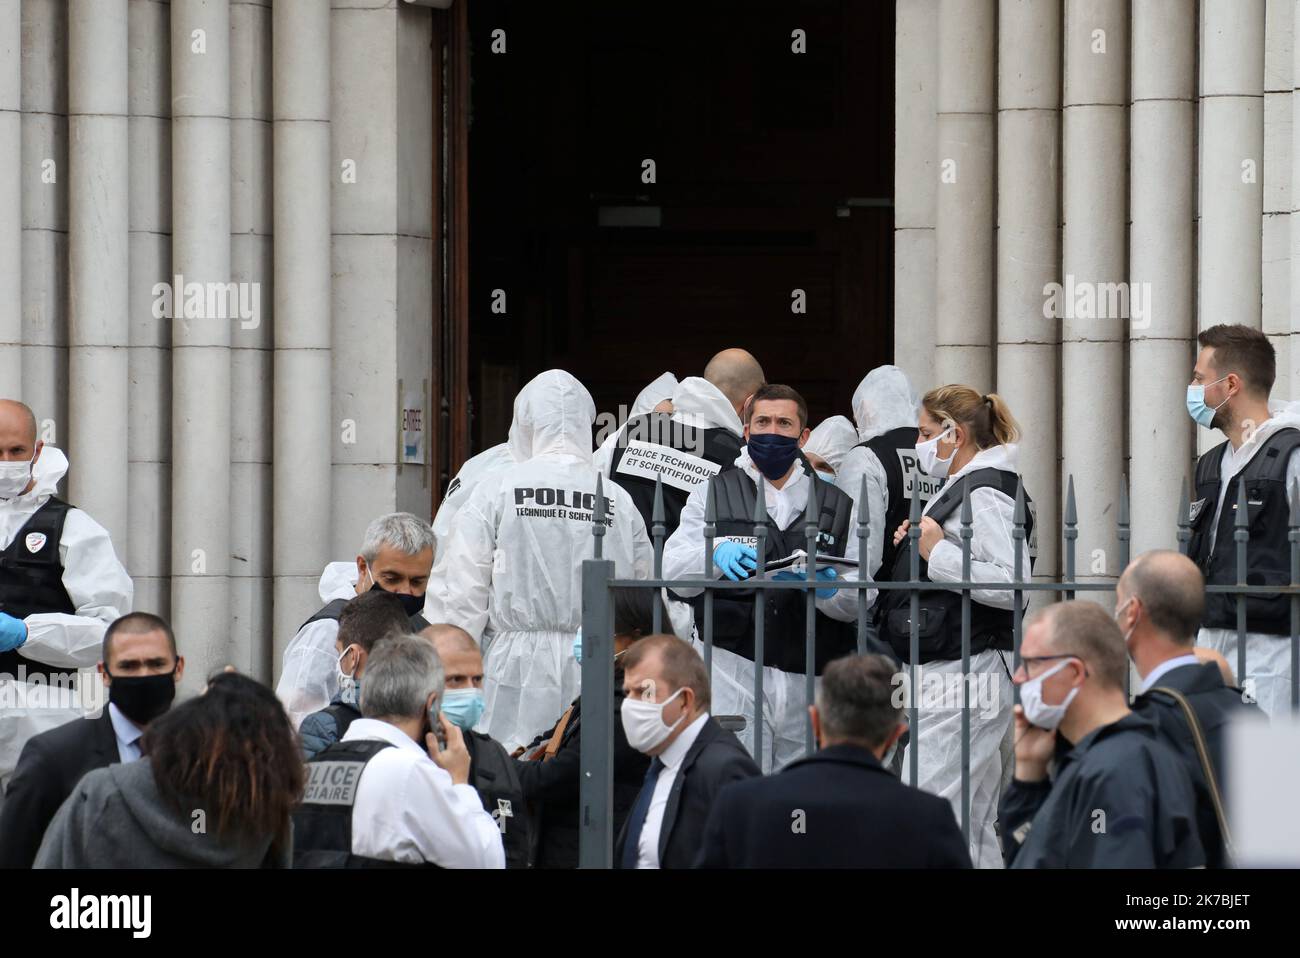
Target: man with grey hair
x,y
841,807
394,790
1159,601
396,557
1119,797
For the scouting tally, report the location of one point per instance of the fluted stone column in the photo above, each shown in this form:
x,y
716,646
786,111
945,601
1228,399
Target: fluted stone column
x,y
1276,275
303,171
1162,126
1029,243
916,185
201,393
98,323
1093,258
11,221
964,327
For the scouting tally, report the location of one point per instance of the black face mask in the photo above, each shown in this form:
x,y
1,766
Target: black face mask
x,y
142,698
411,604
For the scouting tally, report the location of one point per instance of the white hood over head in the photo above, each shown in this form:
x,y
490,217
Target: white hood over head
x,y
832,439
554,414
884,400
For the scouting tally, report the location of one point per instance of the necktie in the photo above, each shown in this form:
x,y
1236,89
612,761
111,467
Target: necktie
x,y
636,821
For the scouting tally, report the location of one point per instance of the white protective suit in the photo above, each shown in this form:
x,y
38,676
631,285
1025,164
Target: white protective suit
x,y
939,736
884,400
1268,657
471,473
660,388
785,711
832,439
100,589
309,678
512,567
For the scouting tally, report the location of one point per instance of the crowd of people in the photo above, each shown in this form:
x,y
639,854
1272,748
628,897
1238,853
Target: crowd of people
x,y
429,713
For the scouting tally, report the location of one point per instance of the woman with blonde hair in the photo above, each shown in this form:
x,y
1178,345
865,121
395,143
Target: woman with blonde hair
x,y
969,440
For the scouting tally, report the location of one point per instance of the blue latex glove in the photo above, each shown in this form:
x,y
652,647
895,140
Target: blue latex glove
x,y
13,632
735,560
825,575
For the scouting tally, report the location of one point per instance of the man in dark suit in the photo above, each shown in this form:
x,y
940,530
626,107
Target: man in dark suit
x,y
1159,602
840,807
140,668
666,715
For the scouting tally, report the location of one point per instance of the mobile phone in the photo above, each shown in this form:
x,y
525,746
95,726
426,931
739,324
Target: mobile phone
x,y
438,732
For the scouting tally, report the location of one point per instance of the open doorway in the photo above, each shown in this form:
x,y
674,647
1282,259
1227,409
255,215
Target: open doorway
x,y
772,173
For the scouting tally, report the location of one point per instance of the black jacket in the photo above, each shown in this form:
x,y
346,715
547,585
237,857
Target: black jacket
x,y
492,773
1121,798
1215,704
552,787
716,758
49,768
838,808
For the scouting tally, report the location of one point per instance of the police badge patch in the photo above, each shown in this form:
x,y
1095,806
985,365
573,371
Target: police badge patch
x,y
35,542
1195,509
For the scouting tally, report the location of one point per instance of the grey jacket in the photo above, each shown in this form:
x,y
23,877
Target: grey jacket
x,y
116,818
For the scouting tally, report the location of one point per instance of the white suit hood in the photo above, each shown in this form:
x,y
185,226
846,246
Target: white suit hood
x,y
553,416
831,440
884,400
48,472
660,388
338,581
697,402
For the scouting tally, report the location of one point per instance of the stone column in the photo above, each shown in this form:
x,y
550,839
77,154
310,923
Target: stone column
x,y
1029,244
1162,127
1276,278
11,203
964,239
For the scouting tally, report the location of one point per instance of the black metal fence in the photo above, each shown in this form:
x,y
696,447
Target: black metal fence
x,y
598,579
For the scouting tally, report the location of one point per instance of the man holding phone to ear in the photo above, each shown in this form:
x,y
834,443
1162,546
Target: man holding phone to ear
x,y
1119,796
395,789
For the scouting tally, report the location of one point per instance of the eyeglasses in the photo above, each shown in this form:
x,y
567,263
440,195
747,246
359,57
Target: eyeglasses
x,y
1026,659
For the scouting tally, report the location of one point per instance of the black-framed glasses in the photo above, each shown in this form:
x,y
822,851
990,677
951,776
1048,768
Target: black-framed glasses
x,y
1026,659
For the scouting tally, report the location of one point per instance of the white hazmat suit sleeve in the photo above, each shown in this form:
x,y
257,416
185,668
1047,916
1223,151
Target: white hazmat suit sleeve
x,y
465,567
992,555
99,588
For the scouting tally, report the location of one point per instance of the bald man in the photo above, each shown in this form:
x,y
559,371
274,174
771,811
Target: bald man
x,y
491,770
1159,601
61,586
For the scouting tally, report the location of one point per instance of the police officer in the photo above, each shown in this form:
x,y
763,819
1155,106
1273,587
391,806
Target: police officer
x,y
885,412
1234,373
390,794
396,557
775,431
969,440
61,586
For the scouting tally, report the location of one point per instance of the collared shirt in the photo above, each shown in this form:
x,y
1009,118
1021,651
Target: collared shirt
x,y
407,808
1156,674
648,848
127,734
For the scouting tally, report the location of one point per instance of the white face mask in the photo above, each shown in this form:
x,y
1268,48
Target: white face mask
x,y
349,686
1036,710
928,454
643,722
1120,611
14,477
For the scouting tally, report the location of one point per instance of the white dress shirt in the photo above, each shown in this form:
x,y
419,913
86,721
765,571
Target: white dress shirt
x,y
647,849
127,734
408,810
1156,674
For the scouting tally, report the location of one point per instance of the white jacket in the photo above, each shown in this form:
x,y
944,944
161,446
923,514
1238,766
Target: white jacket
x,y
95,580
884,400
992,546
309,677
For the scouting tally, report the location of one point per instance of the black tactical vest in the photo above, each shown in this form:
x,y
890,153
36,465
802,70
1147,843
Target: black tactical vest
x,y
31,580
492,774
1268,555
330,610
686,457
322,825
783,630
939,625
896,451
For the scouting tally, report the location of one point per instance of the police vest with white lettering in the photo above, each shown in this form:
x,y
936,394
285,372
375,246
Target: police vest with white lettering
x,y
31,579
322,825
684,456
1268,553
905,479
939,610
784,609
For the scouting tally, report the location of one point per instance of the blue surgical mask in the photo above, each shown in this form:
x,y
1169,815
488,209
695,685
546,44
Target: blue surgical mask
x,y
828,476
463,707
577,646
1196,408
772,453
